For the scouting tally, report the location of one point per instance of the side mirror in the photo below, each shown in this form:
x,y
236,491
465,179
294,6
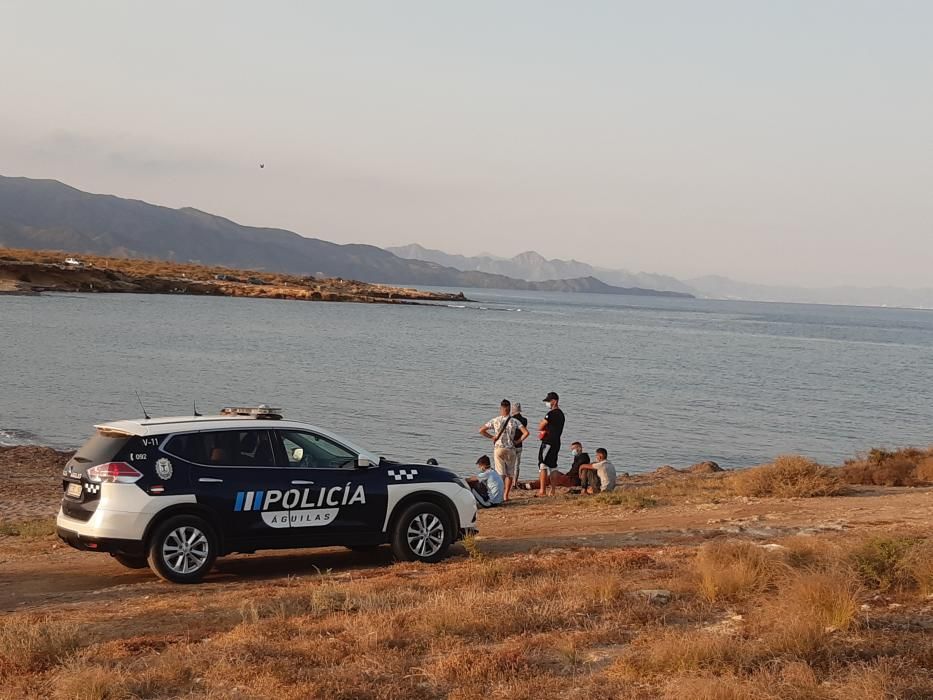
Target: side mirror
x,y
363,463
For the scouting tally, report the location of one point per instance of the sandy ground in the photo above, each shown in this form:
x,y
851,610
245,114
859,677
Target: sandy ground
x,y
43,574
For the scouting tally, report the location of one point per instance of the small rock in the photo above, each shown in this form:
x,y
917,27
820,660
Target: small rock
x,y
658,596
667,470
772,547
707,467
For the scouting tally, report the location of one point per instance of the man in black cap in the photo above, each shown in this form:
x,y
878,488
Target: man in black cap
x,y
550,429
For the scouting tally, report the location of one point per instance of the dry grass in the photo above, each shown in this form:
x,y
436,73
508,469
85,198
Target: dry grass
x,y
43,527
789,476
560,623
631,499
30,643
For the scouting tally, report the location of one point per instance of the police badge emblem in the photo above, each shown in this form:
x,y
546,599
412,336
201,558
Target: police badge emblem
x,y
163,468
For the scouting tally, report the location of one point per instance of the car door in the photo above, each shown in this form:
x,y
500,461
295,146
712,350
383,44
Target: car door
x,y
236,475
349,501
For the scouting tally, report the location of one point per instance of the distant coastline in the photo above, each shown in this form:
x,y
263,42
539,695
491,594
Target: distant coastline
x,y
28,272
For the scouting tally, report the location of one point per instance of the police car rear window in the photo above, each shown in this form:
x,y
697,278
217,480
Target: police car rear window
x,y
100,448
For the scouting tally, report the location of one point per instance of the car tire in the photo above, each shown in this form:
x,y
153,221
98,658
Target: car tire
x,y
182,549
422,533
131,562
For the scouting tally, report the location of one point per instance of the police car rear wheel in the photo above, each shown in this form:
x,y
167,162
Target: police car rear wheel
x,y
131,562
421,534
182,549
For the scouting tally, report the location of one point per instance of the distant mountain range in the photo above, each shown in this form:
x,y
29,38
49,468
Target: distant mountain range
x,y
532,266
48,215
535,267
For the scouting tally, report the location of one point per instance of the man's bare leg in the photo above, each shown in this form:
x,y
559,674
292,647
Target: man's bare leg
x,y
508,488
542,480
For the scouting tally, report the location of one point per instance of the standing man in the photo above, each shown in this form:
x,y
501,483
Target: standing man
x,y
501,430
517,415
551,428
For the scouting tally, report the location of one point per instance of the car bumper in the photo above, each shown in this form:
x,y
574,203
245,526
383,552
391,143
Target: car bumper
x,y
87,543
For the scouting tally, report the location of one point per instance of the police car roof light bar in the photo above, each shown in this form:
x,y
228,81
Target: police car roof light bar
x,y
262,411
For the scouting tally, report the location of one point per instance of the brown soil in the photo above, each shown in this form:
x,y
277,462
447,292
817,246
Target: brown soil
x,y
31,272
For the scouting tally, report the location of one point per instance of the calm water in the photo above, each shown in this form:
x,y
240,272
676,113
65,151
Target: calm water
x,y
656,381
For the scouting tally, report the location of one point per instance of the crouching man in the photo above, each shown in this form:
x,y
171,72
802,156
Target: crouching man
x,y
486,486
600,475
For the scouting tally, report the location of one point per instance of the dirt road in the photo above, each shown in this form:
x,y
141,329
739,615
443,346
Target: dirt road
x,y
41,573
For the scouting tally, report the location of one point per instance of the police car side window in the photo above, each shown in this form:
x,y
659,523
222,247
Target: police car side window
x,y
224,448
312,451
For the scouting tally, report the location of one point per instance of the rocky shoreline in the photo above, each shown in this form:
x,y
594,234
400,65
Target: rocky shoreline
x,y
24,272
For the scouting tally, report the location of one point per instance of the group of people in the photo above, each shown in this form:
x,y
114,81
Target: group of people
x,y
509,432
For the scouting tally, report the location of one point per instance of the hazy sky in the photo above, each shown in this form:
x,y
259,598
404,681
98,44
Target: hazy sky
x,y
770,141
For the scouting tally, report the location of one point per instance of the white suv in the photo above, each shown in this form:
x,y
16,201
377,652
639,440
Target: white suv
x,y
175,493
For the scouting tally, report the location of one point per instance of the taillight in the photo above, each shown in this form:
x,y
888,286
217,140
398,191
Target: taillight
x,y
114,473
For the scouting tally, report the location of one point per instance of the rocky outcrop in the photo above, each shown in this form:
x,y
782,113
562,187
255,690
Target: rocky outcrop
x,y
29,272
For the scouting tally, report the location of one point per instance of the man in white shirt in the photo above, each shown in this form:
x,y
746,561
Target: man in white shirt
x,y
600,475
502,430
487,485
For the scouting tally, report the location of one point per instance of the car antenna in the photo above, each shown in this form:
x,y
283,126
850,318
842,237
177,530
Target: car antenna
x,y
147,416
196,414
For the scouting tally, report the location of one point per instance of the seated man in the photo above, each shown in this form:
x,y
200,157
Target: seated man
x,y
600,475
569,480
487,486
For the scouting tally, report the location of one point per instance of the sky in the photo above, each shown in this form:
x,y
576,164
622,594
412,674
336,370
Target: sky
x,y
775,142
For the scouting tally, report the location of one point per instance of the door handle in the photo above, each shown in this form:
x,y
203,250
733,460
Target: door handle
x,y
301,482
210,480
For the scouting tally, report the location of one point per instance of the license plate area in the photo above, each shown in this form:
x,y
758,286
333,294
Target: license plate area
x,y
73,490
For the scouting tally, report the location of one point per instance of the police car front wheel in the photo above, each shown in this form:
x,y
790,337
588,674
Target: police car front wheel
x,y
182,549
422,533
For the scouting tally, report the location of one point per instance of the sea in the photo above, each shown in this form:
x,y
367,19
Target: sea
x,y
655,381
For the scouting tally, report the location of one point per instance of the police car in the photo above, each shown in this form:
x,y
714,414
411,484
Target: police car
x,y
175,493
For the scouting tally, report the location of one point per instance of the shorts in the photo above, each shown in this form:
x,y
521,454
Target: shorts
x,y
547,456
504,458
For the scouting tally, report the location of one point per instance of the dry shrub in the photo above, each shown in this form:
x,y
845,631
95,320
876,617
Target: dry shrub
x,y
732,570
828,598
904,467
924,471
883,562
807,611
36,643
918,565
789,476
806,552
